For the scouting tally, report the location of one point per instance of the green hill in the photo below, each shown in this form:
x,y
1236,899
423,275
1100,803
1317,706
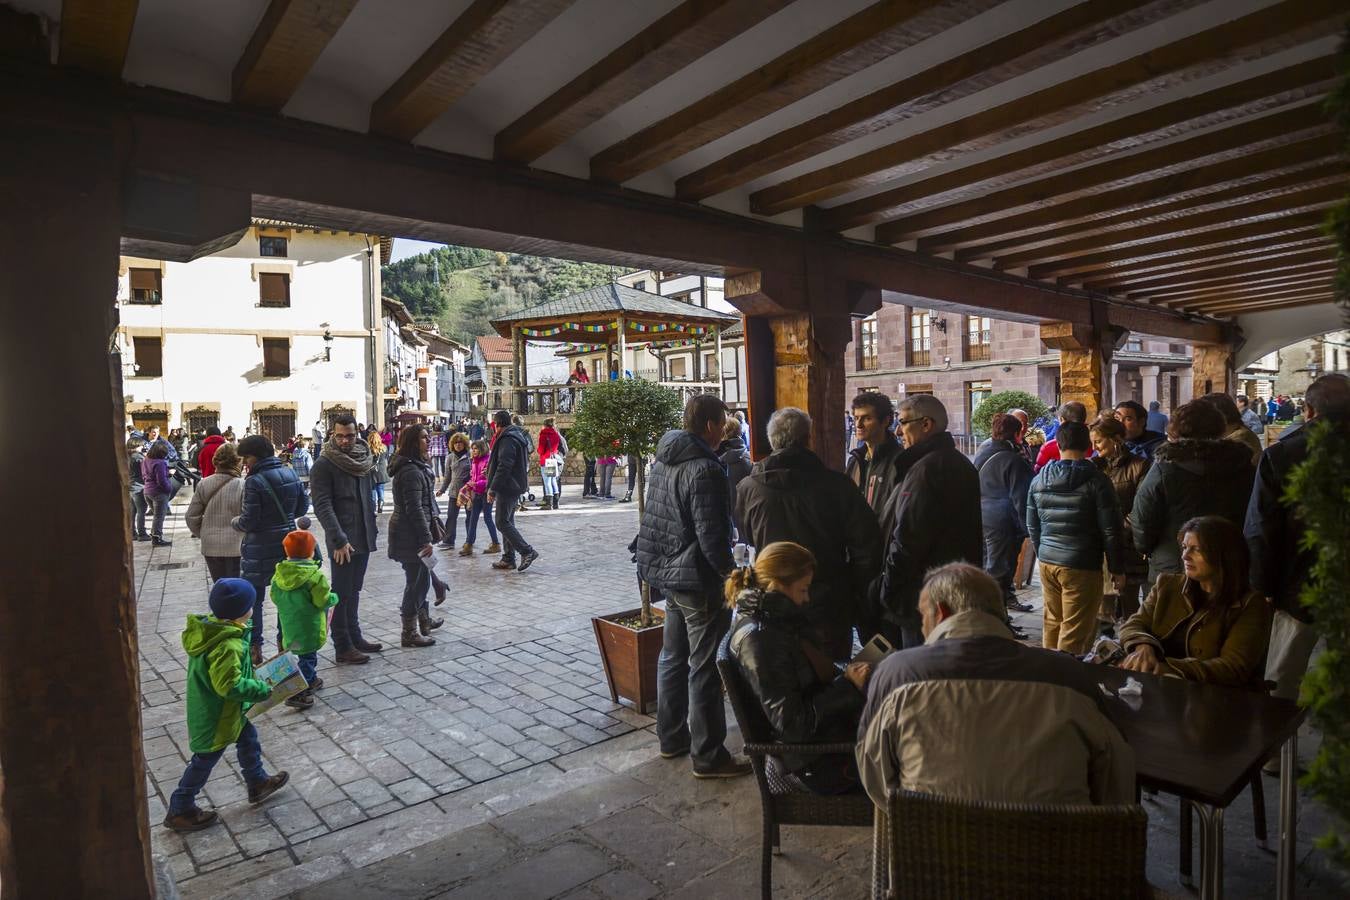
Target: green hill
x,y
476,285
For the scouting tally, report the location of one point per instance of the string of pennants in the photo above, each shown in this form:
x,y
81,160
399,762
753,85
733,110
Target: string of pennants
x,y
601,328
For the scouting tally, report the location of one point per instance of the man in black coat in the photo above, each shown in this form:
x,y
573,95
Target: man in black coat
x,y
684,551
1280,565
508,480
341,482
936,511
872,466
792,496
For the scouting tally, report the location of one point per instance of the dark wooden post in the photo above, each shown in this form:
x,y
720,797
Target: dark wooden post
x,y
73,819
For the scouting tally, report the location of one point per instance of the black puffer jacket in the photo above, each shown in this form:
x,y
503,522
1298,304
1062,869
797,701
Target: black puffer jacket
x,y
880,478
509,467
273,500
793,496
414,505
1274,531
1189,478
767,644
1074,518
936,511
684,539
1005,478
736,459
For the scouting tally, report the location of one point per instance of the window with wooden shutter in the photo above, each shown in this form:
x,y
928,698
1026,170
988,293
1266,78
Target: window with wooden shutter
x,y
271,246
149,357
274,289
145,286
276,357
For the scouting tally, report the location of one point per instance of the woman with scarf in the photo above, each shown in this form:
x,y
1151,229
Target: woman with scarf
x,y
793,679
411,533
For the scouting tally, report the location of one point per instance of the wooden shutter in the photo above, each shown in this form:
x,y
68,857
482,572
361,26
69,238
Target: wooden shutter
x,y
144,279
149,357
276,357
274,289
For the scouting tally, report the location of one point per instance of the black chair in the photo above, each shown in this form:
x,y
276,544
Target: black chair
x,y
783,800
942,847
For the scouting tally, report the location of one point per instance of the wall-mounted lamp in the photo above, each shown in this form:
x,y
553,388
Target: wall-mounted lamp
x,y
940,325
1007,369
327,342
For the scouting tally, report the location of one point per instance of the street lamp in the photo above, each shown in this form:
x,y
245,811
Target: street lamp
x,y
327,342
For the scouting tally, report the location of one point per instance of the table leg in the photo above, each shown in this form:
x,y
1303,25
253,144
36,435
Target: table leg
x,y
880,855
1284,887
1211,851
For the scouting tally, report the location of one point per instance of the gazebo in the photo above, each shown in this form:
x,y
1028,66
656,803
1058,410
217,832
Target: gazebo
x,y
612,315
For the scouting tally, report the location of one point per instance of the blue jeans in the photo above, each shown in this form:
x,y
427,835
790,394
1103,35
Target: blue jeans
x,y
607,480
551,486
480,508
199,769
689,710
377,493
138,508
417,581
452,525
258,603
309,662
513,541
160,504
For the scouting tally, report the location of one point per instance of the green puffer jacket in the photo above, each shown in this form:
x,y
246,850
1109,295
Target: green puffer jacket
x,y
220,685
302,596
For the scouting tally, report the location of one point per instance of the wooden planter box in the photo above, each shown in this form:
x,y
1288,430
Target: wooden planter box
x,y
629,656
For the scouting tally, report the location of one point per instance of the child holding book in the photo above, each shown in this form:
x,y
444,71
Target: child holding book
x,y
220,688
303,597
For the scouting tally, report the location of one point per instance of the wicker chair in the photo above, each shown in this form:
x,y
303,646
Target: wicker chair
x,y
783,801
941,847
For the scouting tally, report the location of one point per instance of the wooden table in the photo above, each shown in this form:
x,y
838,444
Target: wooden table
x,y
1205,743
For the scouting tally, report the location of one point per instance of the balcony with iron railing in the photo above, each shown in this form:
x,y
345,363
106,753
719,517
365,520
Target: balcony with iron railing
x,y
919,352
978,344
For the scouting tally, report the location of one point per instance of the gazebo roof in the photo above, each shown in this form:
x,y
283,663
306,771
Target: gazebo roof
x,y
578,316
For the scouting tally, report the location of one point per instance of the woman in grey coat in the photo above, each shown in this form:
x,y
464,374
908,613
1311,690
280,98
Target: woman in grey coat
x,y
457,466
410,531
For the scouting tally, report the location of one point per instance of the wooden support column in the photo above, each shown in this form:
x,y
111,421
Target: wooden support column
x,y
1085,356
1212,369
73,820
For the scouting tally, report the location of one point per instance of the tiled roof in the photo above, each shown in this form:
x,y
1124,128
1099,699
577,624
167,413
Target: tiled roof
x,y
615,298
495,349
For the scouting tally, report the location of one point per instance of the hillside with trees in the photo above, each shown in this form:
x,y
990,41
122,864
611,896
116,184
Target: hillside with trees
x,y
463,288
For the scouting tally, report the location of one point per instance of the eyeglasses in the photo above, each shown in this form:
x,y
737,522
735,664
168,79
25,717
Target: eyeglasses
x,y
912,421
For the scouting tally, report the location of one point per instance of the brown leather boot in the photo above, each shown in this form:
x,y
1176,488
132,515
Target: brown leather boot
x,y
427,623
411,637
352,657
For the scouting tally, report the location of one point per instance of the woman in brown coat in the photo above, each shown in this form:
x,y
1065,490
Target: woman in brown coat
x,y
1126,471
1205,624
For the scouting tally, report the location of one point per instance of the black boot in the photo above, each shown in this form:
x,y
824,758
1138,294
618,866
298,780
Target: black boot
x,y
555,501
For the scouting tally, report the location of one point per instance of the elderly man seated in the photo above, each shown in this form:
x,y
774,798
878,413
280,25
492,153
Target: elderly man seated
x,y
976,715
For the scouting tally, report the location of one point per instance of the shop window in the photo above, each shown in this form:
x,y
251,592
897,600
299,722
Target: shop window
x,y
272,246
146,286
149,356
274,289
276,357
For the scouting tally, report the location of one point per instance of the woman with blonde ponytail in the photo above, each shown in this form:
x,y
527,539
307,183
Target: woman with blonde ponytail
x,y
803,697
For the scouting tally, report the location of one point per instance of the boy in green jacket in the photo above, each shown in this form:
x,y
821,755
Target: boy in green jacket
x,y
220,688
302,596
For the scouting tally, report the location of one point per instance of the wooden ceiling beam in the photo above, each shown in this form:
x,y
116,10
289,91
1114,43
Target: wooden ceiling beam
x,y
1001,58
1314,289
95,35
1252,95
477,42
1305,200
1265,263
859,41
1263,27
1234,282
1244,289
1308,237
1215,239
1238,309
1238,164
663,48
284,47
1248,189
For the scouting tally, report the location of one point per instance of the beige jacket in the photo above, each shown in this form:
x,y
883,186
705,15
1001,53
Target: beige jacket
x,y
977,715
216,501
1244,435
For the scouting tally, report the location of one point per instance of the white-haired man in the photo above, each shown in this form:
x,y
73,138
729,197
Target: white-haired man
x,y
975,714
793,496
936,514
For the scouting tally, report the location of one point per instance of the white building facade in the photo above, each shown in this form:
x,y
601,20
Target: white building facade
x,y
268,336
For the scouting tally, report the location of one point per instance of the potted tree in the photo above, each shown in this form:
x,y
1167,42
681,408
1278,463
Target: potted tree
x,y
618,418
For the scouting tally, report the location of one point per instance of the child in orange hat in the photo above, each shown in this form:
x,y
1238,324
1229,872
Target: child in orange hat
x,y
303,597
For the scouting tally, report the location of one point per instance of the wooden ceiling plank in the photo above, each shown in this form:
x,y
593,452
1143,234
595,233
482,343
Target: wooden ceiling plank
x,y
1311,289
1003,57
885,163
1241,288
1273,263
477,42
1309,237
1305,80
1287,303
1237,163
1268,229
1256,276
1282,205
287,42
672,42
857,42
1248,189
95,35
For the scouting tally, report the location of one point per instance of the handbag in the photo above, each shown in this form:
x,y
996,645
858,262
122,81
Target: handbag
x,y
437,529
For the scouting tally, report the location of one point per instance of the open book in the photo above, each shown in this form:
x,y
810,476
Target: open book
x,y
874,651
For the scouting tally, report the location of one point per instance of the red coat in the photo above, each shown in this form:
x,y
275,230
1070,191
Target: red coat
x,y
206,458
549,443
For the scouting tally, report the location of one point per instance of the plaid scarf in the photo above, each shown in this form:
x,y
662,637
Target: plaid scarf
x,y
355,462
